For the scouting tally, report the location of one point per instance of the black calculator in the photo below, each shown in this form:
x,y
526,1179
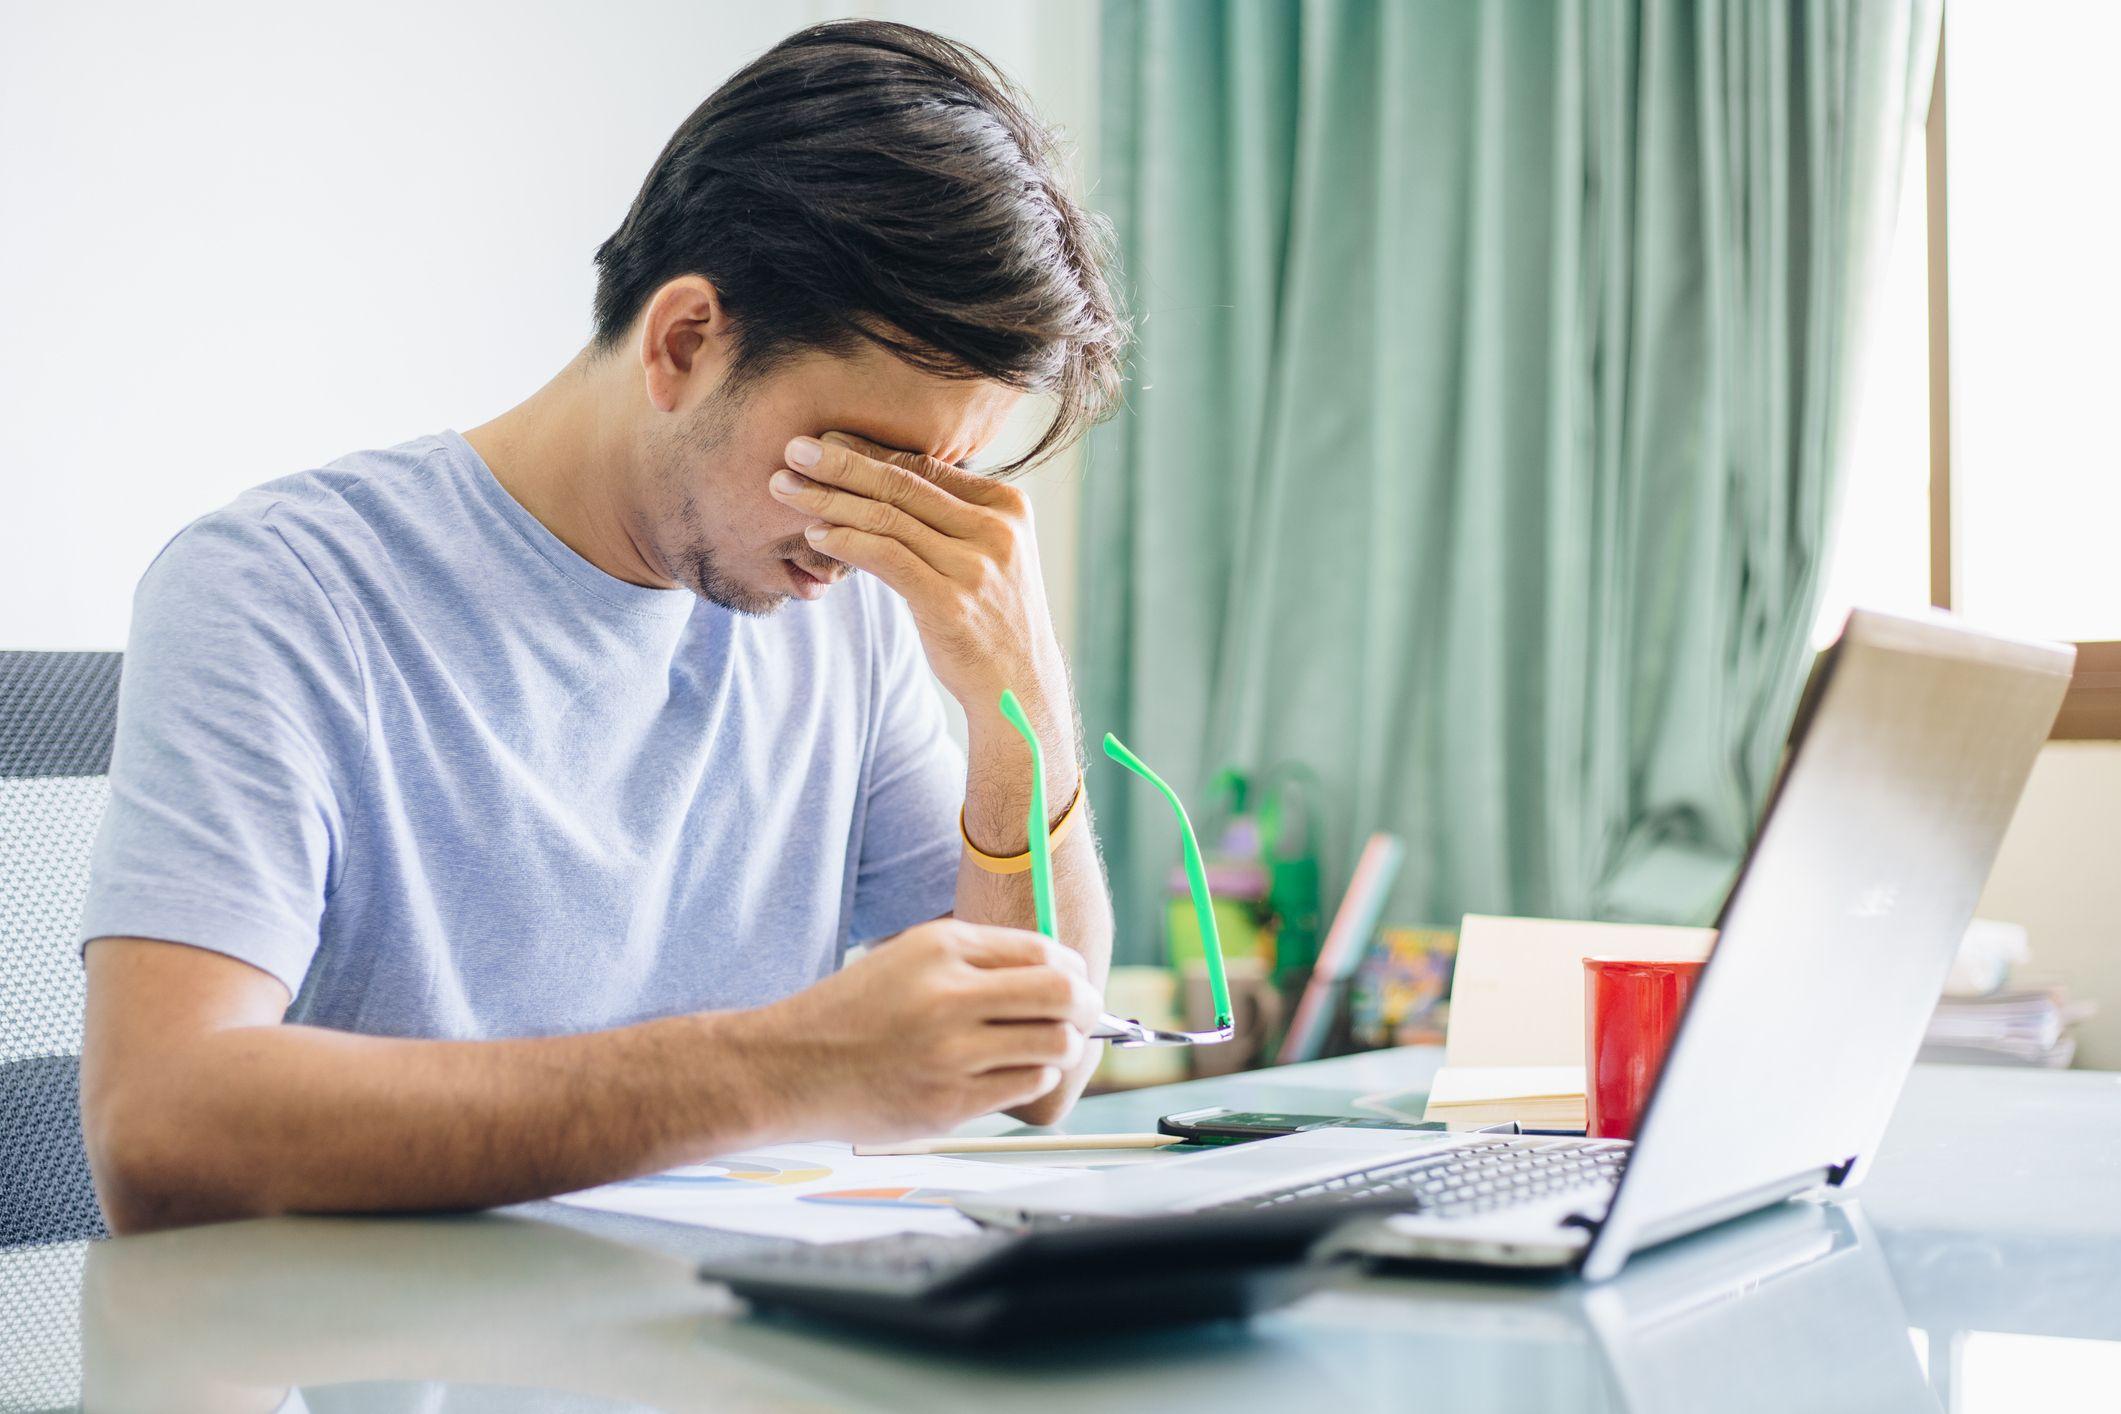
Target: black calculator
x,y
1061,1277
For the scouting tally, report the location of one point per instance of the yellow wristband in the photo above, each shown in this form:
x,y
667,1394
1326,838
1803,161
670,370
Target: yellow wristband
x,y
1021,863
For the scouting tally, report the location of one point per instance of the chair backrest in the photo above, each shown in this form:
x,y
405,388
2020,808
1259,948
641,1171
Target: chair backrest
x,y
57,715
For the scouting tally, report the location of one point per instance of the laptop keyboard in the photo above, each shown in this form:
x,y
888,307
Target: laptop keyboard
x,y
1465,1179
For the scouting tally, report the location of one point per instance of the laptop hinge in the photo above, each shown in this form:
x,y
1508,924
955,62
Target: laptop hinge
x,y
1707,1214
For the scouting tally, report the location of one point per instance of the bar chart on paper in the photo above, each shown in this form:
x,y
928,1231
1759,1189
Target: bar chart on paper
x,y
763,1169
815,1192
888,1197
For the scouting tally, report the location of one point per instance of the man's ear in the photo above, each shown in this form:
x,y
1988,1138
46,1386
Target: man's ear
x,y
687,344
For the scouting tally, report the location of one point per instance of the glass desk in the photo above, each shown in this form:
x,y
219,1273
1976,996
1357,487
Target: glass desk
x,y
1981,1270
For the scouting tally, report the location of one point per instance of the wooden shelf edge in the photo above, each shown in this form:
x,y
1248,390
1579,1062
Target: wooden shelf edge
x,y
2092,710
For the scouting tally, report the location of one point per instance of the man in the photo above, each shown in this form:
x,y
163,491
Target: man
x,y
486,822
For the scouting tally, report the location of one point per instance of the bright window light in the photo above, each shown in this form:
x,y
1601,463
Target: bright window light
x,y
2034,121
2000,1370
1880,552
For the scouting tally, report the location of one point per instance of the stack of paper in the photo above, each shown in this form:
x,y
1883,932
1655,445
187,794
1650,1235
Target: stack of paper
x,y
1536,1096
2005,1028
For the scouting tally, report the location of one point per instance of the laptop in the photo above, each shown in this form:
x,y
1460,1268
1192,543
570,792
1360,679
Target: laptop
x,y
1911,745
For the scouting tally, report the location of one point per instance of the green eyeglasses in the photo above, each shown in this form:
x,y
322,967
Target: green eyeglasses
x,y
1119,1030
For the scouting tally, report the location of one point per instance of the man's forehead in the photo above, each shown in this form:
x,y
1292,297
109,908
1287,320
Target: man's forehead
x,y
949,433
875,396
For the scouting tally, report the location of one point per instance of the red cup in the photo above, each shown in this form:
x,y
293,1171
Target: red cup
x,y
1630,1011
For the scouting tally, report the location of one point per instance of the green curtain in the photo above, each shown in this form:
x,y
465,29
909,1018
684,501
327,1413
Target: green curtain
x,y
1484,424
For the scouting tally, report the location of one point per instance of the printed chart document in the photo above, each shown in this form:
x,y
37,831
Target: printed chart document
x,y
816,1192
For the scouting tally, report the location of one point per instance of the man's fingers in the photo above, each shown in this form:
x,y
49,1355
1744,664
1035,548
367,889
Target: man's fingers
x,y
1006,1089
1029,977
963,484
838,461
988,491
907,574
1036,994
838,507
990,945
1011,1043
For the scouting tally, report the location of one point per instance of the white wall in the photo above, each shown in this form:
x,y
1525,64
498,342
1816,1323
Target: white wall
x,y
2060,876
239,239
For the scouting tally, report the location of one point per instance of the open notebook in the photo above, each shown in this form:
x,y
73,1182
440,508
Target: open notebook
x,y
1537,1096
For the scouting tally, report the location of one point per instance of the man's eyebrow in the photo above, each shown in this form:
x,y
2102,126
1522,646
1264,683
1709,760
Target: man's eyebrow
x,y
963,463
885,442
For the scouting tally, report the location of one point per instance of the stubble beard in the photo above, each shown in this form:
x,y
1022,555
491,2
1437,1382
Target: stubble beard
x,y
695,562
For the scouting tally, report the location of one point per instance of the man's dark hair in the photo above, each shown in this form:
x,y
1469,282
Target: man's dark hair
x,y
866,180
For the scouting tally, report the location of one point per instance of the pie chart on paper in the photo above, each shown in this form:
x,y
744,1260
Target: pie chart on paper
x,y
751,1169
886,1198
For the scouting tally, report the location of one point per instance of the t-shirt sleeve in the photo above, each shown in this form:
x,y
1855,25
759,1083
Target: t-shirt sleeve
x,y
907,870
241,731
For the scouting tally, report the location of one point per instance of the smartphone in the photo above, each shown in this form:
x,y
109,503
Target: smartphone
x,y
1220,1126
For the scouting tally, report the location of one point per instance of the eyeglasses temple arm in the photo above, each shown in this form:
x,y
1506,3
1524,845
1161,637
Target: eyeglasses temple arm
x,y
1211,945
1035,819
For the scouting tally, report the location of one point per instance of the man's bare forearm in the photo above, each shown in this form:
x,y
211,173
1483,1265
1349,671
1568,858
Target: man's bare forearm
x,y
997,801
199,1102
281,1118
997,804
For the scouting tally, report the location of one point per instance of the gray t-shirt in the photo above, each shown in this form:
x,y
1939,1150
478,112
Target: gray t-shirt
x,y
384,736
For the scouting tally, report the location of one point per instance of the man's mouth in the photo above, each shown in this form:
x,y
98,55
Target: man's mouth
x,y
812,584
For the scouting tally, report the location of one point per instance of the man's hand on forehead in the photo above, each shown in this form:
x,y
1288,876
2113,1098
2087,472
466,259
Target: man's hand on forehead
x,y
867,468
956,546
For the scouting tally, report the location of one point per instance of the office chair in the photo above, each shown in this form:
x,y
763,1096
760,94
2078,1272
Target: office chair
x,y
57,713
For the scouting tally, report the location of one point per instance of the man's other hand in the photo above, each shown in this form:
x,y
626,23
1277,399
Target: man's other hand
x,y
956,546
944,1022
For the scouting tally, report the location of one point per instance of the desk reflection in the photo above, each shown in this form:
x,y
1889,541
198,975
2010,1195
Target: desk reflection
x,y
1791,1310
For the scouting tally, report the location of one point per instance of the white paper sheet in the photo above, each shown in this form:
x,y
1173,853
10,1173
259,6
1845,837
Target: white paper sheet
x,y
1475,1085
1543,1096
814,1193
1517,991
